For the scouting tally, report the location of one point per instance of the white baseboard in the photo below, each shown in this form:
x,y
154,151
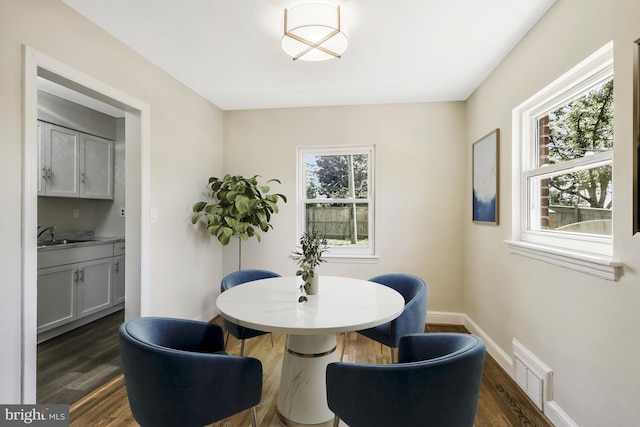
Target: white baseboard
x,y
504,360
445,318
557,416
448,318
552,410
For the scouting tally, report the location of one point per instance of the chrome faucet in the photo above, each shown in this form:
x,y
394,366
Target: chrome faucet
x,y
51,229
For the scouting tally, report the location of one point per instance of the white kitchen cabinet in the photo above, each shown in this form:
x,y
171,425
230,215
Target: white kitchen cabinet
x,y
74,283
94,286
42,160
56,296
118,291
96,167
74,164
59,156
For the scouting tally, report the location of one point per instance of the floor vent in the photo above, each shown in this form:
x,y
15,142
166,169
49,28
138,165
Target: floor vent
x,y
532,375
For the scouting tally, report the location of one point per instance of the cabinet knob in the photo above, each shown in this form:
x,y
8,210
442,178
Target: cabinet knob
x,y
117,266
84,177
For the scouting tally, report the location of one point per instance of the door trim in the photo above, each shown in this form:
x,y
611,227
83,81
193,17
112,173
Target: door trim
x,y
137,159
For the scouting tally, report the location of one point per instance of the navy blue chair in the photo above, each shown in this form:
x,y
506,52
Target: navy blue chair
x,y
436,383
177,374
234,279
414,316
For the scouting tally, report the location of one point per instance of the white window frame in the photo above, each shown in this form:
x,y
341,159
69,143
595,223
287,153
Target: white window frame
x,y
589,254
340,252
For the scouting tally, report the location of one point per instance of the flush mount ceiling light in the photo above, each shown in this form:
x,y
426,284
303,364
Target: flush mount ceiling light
x,y
314,32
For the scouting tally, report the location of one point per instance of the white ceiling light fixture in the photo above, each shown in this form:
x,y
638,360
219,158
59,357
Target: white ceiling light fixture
x,y
314,32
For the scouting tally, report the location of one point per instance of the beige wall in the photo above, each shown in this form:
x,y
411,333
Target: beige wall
x,y
185,146
583,327
419,156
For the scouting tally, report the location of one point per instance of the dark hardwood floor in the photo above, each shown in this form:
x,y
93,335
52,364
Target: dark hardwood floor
x,y
501,404
74,364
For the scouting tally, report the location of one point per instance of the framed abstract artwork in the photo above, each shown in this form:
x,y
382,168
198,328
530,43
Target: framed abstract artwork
x,y
486,178
636,138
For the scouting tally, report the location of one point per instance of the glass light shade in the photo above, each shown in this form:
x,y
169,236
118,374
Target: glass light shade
x,y
307,25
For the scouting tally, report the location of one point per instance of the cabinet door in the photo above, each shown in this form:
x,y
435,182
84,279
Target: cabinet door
x,y
118,279
96,167
56,296
43,132
94,286
62,160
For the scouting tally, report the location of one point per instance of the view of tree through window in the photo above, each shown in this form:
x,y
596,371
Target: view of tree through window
x,y
337,200
337,177
575,143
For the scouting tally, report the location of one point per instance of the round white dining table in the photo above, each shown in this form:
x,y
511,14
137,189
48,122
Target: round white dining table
x,y
341,305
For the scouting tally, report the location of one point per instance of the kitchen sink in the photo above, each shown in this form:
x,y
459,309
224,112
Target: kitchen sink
x,y
61,242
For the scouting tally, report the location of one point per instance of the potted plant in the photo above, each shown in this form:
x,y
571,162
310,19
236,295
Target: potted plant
x,y
308,257
239,207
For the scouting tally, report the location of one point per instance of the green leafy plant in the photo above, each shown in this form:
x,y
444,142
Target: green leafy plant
x,y
308,257
238,207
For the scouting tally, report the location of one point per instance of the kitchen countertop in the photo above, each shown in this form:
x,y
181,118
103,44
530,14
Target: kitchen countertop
x,y
79,242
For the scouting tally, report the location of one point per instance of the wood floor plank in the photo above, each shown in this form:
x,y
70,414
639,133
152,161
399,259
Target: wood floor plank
x,y
501,402
71,365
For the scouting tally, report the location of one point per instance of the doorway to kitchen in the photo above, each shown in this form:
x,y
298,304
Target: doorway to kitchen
x,y
81,242
136,135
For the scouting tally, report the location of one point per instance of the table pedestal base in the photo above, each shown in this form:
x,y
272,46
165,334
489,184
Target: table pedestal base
x,y
302,399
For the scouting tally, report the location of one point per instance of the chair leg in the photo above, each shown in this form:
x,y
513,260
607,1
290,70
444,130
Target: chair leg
x,y
391,355
271,340
336,421
344,345
241,347
226,340
254,421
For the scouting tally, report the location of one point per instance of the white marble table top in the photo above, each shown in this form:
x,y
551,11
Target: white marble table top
x,y
341,305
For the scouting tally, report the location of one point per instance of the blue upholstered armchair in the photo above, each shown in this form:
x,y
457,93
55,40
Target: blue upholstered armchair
x,y
414,316
238,278
436,382
176,373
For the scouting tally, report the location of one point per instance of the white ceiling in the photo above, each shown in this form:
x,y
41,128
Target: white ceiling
x,y
399,51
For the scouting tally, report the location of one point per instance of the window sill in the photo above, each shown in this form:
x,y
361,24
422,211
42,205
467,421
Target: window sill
x,y
596,265
350,258
364,259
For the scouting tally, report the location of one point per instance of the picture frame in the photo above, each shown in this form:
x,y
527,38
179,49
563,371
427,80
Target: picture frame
x,y
486,178
636,138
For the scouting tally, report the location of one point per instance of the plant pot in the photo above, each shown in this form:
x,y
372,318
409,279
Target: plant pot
x,y
313,285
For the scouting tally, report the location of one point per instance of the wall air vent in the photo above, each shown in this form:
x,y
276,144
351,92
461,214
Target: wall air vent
x,y
532,375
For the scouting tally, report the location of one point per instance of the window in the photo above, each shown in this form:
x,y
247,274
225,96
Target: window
x,y
336,197
568,169
563,150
